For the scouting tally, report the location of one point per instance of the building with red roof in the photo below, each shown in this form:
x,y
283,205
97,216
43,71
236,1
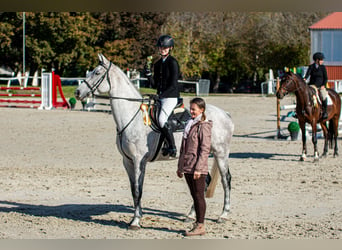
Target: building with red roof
x,y
326,37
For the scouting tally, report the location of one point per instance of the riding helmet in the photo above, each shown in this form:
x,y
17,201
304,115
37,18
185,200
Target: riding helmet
x,y
165,41
318,55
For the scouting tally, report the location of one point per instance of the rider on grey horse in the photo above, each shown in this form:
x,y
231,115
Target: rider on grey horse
x,y
165,79
319,78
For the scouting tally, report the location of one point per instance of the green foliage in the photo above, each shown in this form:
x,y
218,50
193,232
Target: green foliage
x,y
293,127
72,100
230,45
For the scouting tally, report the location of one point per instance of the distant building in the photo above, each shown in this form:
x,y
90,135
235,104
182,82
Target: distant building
x,y
326,37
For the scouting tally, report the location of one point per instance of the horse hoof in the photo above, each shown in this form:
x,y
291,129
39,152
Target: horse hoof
x,y
221,220
316,159
134,227
188,219
302,158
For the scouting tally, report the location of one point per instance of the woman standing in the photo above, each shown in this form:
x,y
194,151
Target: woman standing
x,y
193,160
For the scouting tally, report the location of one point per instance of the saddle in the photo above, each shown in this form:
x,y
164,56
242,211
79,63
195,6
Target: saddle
x,y
177,119
317,96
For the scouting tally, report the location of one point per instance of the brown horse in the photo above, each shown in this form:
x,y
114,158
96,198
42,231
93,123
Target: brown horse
x,y
309,110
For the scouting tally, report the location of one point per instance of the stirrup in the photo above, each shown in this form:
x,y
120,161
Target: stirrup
x,y
169,151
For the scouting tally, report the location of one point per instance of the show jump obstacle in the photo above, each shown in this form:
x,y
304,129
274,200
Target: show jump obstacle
x,y
44,97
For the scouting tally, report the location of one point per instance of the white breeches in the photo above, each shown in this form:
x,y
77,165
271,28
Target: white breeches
x,y
167,106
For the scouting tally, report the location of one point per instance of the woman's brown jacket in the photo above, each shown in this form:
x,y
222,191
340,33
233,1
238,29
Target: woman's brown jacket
x,y
195,149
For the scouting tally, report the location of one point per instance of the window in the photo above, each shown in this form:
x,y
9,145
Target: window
x,y
330,43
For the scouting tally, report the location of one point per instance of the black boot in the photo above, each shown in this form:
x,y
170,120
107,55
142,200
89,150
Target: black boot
x,y
324,109
171,150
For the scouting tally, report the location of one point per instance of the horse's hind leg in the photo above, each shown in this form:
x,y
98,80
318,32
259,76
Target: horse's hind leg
x,y
335,121
226,178
326,135
191,216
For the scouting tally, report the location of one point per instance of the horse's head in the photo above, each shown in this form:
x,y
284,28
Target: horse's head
x,y
97,81
288,83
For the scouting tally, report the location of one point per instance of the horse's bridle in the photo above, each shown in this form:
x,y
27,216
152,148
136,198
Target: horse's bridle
x,y
98,83
286,89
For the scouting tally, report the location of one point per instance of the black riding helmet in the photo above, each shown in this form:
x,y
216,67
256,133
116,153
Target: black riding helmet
x,y
318,55
165,41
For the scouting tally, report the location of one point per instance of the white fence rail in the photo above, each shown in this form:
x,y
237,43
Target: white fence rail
x,y
269,87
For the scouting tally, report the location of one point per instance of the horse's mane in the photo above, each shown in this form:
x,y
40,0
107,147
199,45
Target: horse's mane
x,y
302,85
122,75
299,78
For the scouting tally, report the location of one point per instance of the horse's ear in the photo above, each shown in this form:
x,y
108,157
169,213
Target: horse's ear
x,y
100,56
102,59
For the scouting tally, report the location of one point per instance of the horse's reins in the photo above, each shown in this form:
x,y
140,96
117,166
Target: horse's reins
x,y
98,83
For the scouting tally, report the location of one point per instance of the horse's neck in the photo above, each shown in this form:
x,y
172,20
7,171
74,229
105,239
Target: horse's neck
x,y
303,94
121,91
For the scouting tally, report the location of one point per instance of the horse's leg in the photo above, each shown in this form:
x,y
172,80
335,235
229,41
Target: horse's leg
x,y
222,163
325,133
136,177
191,216
335,122
304,150
314,140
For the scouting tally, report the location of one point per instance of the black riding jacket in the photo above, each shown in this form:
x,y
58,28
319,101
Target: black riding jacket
x,y
318,76
165,77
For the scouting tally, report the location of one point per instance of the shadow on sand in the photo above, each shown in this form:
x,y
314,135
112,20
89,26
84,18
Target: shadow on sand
x,y
268,156
85,212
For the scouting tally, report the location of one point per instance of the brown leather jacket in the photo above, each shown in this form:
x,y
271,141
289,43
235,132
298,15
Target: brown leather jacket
x,y
195,149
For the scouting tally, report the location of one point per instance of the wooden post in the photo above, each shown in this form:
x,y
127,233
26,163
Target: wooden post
x,y
278,110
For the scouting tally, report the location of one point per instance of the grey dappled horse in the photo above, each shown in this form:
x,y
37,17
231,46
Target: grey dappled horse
x,y
138,143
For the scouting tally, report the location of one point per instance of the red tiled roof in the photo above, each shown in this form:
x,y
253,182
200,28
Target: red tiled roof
x,y
332,21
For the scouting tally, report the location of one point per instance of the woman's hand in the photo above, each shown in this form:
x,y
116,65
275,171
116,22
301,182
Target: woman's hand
x,y
197,175
179,174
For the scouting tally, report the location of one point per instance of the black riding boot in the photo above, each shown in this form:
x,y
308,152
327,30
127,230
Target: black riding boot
x,y
172,151
324,108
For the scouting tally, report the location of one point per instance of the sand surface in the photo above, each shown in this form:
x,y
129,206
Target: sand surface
x,y
61,177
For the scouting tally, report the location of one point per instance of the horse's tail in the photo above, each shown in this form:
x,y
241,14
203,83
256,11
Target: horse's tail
x,y
331,130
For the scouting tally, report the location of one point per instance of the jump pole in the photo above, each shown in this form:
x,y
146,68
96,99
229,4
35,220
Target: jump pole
x,y
278,110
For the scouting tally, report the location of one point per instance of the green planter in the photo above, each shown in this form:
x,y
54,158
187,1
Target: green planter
x,y
293,128
72,102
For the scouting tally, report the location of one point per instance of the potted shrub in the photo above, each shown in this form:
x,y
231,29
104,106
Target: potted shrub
x,y
293,128
72,102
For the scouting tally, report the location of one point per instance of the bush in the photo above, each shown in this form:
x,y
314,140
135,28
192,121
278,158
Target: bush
x,y
293,127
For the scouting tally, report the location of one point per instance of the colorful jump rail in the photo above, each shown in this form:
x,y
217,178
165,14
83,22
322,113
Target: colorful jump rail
x,y
15,103
44,97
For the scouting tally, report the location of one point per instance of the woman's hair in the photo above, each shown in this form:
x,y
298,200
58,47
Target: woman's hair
x,y
201,104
